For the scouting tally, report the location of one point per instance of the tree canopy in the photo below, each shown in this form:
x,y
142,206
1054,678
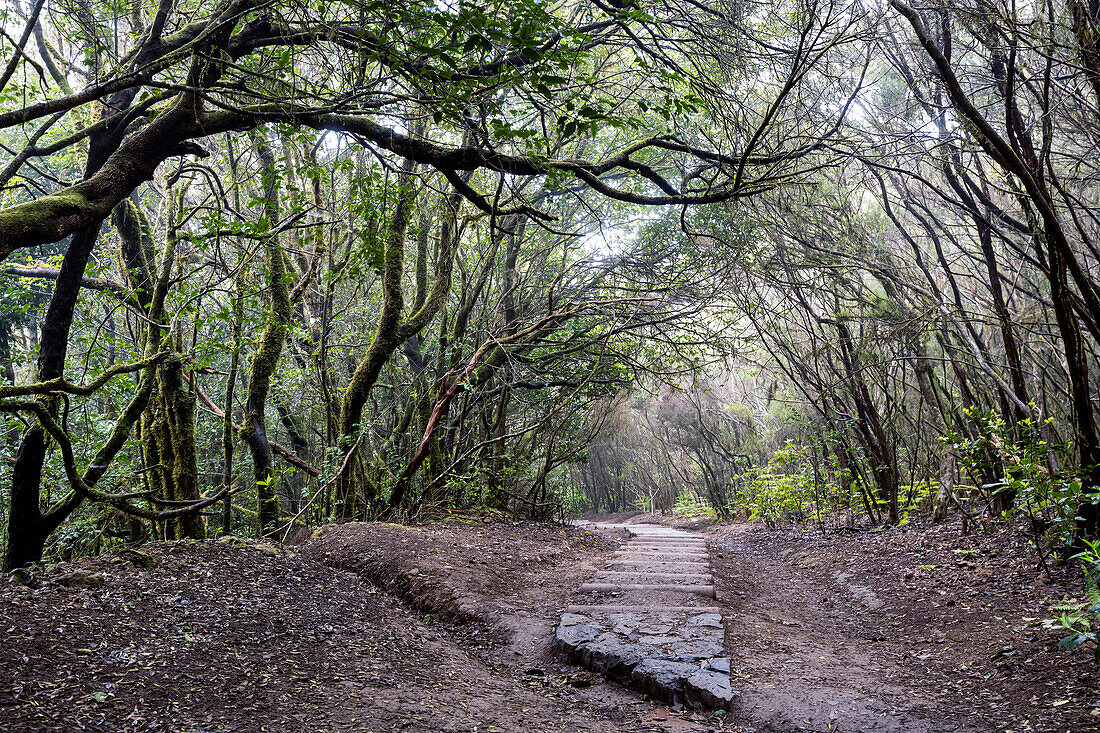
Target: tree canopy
x,y
268,264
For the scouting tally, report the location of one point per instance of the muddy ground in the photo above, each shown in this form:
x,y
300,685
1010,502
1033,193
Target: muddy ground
x,y
447,627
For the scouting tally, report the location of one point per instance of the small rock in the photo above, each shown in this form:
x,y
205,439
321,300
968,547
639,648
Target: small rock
x,y
81,579
611,657
23,576
708,689
662,679
138,559
569,638
713,620
696,651
719,664
573,619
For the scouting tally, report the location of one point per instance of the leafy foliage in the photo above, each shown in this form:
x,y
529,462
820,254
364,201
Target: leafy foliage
x,y
1081,617
1022,464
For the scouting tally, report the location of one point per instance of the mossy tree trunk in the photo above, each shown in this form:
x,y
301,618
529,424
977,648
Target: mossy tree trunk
x,y
392,329
28,525
178,408
266,357
227,419
385,340
167,429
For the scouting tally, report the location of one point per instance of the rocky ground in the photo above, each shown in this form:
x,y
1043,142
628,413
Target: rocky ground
x,y
448,627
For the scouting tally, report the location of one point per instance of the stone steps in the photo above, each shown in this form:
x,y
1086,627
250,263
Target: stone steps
x,y
645,638
657,554
641,609
699,590
626,576
664,566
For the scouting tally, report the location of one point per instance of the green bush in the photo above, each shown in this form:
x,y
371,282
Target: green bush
x,y
1051,499
688,504
1081,616
783,490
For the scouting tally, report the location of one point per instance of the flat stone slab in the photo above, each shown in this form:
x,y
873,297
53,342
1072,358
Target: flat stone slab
x,y
670,550
611,608
658,652
627,576
665,550
673,653
664,547
660,556
699,590
695,566
688,561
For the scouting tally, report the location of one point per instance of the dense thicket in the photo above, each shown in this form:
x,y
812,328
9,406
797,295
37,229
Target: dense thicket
x,y
272,263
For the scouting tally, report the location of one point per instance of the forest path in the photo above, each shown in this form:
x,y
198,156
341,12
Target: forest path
x,y
645,624
927,627
800,659
840,632
919,629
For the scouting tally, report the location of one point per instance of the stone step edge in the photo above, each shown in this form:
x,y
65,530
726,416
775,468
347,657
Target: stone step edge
x,y
694,564
664,536
663,546
695,577
699,590
669,547
607,608
675,682
663,543
660,555
660,560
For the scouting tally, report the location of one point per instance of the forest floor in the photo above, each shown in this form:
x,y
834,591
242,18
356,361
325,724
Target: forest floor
x,y
446,627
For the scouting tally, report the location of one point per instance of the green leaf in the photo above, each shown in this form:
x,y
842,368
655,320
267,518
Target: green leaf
x,y
1073,641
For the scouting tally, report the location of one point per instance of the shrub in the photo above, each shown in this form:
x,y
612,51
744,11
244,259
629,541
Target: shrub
x,y
1022,464
782,490
1081,616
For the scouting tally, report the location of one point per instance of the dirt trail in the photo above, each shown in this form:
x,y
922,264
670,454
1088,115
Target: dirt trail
x,y
911,629
924,628
798,664
906,630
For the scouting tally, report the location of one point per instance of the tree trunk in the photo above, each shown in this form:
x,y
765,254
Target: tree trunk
x,y
266,357
941,504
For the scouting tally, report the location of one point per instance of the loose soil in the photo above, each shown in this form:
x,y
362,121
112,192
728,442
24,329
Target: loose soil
x,y
447,627
920,628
